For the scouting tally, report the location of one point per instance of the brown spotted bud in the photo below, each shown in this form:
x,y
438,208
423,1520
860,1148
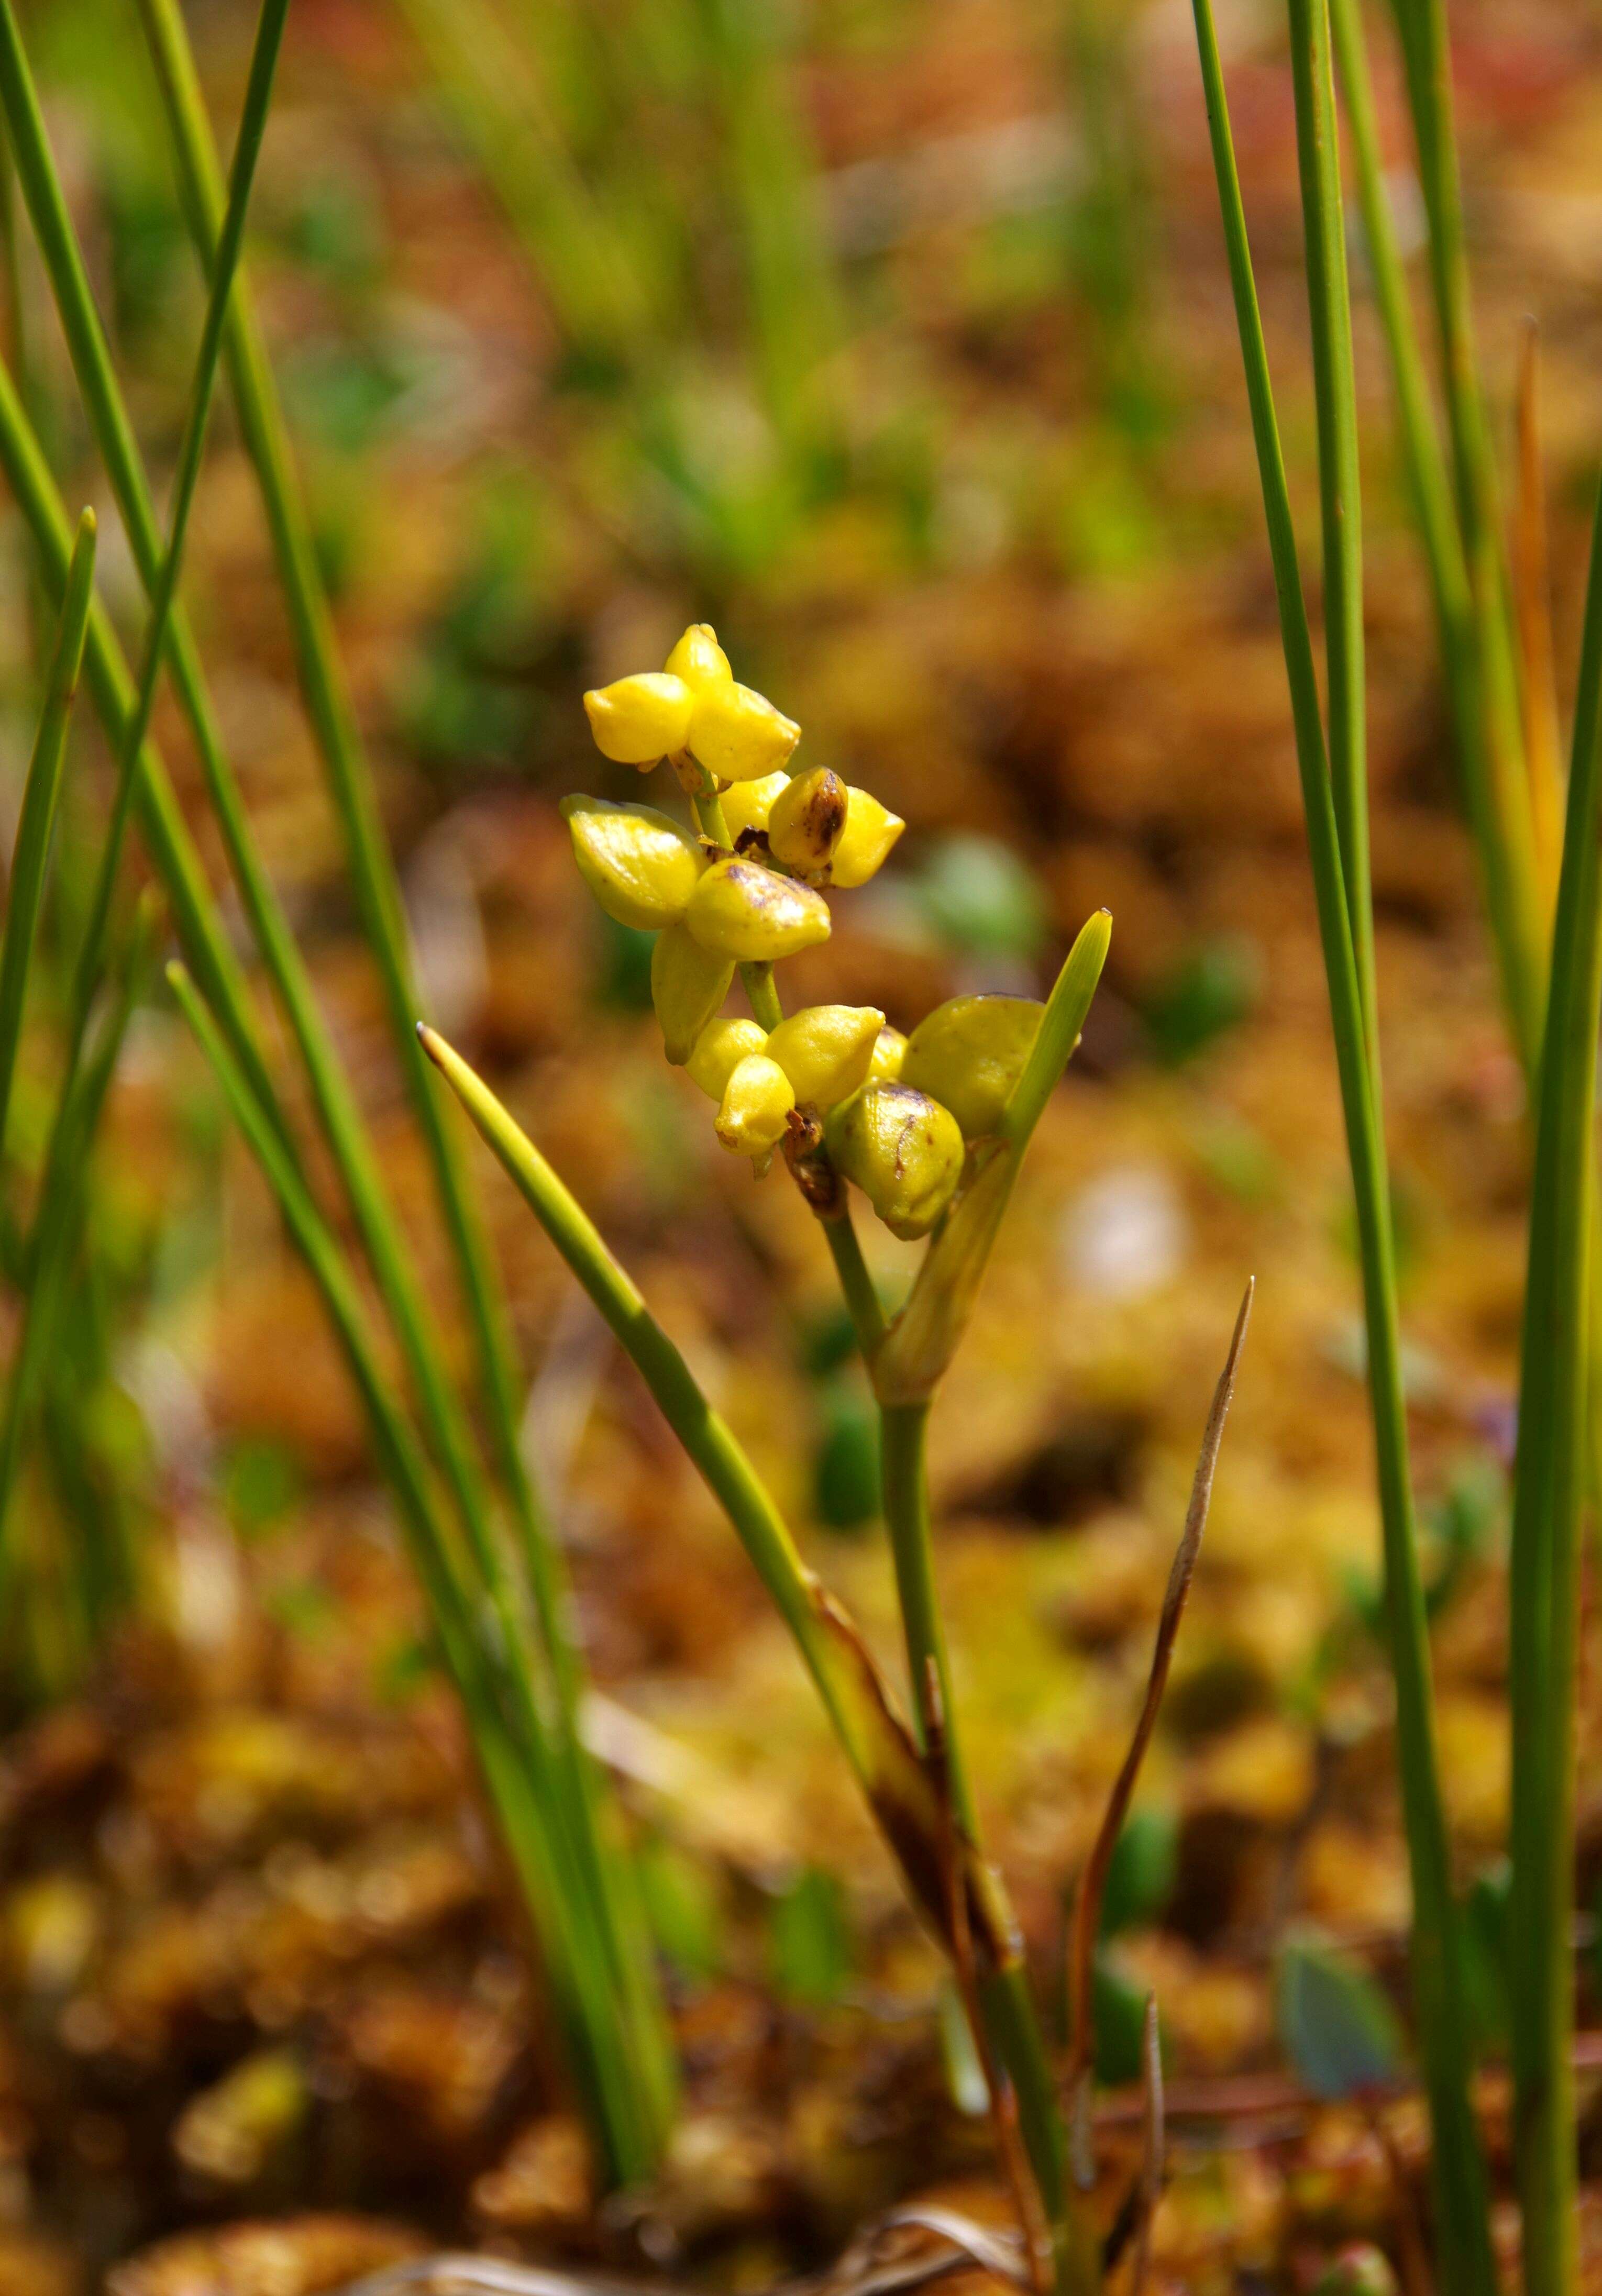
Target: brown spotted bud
x,y
826,1051
870,830
720,1047
688,983
639,719
969,1052
903,1150
641,866
806,821
746,911
755,1110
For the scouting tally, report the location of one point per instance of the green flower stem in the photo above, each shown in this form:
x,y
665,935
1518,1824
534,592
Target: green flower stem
x,y
473,1654
728,1472
36,819
1462,2210
1549,1490
1494,786
857,1285
247,150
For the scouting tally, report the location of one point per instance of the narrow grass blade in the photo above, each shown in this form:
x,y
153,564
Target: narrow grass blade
x,y
617,1919
1461,2191
1548,1490
1340,484
252,128
1533,604
335,725
1087,1909
473,1645
36,819
1478,670
60,1207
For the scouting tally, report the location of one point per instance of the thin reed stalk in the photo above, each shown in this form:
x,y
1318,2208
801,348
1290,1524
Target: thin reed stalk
x,y
30,853
1462,2207
1548,1491
1479,684
632,2024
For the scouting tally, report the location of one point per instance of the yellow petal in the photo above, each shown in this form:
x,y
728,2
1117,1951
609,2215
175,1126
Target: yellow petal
x,y
870,831
969,1052
757,1102
826,1050
904,1151
737,733
687,985
698,658
806,820
720,1047
639,719
641,866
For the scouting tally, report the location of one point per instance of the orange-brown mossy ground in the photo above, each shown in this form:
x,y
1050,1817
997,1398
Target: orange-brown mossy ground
x,y
258,1956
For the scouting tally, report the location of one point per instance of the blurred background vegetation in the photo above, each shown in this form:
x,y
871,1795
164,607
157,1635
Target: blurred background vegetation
x,y
895,341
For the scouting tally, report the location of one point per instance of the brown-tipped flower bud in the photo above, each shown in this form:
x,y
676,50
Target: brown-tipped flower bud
x,y
757,1102
639,719
889,1050
699,660
737,733
903,1150
687,985
720,1047
970,1052
870,831
806,821
826,1051
747,912
641,866
746,805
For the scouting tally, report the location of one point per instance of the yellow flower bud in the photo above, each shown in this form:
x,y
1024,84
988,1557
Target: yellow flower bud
x,y
640,866
826,1050
699,660
756,1100
687,985
746,805
889,1050
744,911
640,719
720,1047
903,1150
970,1052
870,830
807,819
738,735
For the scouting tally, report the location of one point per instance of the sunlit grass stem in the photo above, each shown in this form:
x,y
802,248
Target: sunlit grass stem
x,y
1548,1491
30,852
1462,2200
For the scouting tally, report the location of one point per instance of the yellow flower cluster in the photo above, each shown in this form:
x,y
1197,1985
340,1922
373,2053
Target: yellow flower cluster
x,y
895,1115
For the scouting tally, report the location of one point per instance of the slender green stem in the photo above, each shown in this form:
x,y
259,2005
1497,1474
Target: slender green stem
x,y
727,1472
1548,1490
1340,484
1495,794
36,819
247,150
1462,2212
861,1299
334,725
616,1921
56,1225
904,1466
473,1647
